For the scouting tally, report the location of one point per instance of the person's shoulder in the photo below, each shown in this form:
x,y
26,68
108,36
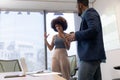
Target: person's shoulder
x,y
53,38
91,9
54,35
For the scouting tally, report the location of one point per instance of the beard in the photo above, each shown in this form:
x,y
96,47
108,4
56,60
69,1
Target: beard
x,y
79,12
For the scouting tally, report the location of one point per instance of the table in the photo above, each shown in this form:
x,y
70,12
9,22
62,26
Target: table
x,y
43,76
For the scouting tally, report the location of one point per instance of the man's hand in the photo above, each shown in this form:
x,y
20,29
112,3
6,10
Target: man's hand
x,y
71,36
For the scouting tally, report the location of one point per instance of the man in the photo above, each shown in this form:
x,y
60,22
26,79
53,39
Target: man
x,y
90,42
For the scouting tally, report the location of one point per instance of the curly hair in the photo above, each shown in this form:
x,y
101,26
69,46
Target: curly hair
x,y
59,20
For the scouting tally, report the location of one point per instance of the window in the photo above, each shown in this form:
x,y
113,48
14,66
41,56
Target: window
x,y
21,35
70,20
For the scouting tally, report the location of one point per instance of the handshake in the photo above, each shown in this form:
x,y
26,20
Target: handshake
x,y
70,37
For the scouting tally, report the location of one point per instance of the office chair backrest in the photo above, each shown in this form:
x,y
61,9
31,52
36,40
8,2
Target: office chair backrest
x,y
10,66
73,64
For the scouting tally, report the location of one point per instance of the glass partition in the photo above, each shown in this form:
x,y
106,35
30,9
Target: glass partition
x,y
21,35
71,27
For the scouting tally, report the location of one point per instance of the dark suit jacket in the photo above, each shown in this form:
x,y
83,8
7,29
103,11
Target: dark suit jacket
x,y
90,38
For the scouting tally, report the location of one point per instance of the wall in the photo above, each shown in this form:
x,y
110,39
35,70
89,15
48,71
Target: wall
x,y
113,59
109,8
109,12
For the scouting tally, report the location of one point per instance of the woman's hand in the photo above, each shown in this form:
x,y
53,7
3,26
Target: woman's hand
x,y
45,35
67,42
50,46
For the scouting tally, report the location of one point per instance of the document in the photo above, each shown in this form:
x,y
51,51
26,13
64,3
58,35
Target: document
x,y
45,73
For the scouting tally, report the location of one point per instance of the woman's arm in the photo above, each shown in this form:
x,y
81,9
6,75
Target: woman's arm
x,y
50,46
66,42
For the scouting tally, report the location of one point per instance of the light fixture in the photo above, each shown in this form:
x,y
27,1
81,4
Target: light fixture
x,y
19,13
6,12
28,13
58,13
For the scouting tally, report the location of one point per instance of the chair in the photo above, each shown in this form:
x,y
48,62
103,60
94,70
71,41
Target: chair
x,y
73,66
116,68
10,66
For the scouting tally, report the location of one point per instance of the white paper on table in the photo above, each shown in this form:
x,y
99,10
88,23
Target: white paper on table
x,y
49,73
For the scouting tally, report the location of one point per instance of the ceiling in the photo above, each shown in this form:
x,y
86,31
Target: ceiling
x,y
39,5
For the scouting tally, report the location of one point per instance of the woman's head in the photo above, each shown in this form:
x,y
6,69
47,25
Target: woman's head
x,y
59,21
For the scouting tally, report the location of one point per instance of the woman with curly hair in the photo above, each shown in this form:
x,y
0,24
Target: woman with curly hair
x,y
60,61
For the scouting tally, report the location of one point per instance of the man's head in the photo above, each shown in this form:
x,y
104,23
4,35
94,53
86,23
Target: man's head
x,y
81,5
84,2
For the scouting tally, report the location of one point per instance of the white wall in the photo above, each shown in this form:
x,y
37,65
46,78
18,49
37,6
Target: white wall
x,y
108,7
113,59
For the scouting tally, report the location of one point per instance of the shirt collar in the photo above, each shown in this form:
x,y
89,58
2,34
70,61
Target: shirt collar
x,y
84,12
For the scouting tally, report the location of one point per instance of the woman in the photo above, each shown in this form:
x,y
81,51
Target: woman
x,y
60,61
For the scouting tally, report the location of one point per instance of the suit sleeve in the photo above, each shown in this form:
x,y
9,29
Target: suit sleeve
x,y
91,18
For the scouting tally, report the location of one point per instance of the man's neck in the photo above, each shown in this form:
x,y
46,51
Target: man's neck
x,y
84,8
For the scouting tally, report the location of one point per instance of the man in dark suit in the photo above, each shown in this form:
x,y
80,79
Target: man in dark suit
x,y
90,42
